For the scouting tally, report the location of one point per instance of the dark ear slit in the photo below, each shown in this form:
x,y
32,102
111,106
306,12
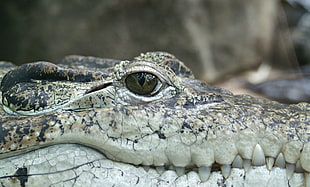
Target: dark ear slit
x,y
98,88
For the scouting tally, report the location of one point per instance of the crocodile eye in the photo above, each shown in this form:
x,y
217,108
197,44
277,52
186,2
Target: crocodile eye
x,y
142,83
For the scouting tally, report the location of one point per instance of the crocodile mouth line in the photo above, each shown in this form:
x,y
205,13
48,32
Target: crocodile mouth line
x,y
240,168
204,172
259,161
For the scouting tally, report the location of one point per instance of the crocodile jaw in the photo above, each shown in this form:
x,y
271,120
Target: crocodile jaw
x,y
67,164
101,136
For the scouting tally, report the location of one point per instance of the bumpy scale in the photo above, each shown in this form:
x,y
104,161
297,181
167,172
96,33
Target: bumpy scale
x,y
91,121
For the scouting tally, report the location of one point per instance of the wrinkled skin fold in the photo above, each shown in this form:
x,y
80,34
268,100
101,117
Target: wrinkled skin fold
x,y
84,122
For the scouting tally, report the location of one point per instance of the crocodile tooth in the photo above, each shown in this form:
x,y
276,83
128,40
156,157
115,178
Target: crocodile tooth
x,y
270,162
246,164
180,170
160,169
298,167
280,162
305,158
204,173
238,162
226,168
146,168
171,167
290,168
258,157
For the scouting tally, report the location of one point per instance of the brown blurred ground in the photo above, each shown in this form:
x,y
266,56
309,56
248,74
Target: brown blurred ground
x,y
215,37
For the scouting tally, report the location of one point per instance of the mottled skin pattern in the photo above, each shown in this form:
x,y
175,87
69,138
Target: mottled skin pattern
x,y
182,127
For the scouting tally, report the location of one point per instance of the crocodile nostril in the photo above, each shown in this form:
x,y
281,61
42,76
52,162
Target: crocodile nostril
x,y
99,87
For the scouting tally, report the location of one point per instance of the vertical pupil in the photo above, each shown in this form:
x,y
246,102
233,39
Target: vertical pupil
x,y
141,83
141,79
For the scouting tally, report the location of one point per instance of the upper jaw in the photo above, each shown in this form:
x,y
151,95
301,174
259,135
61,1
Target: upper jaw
x,y
216,150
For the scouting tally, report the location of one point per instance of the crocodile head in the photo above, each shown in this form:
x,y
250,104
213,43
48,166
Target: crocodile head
x,y
147,122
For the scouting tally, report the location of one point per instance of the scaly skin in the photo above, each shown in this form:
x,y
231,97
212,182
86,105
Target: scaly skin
x,y
63,126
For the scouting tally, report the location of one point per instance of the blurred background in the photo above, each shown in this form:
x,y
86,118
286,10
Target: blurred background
x,y
257,45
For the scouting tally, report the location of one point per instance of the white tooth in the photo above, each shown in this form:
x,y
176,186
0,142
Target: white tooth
x,y
307,179
290,170
204,173
258,158
171,167
280,162
146,168
225,168
238,162
246,165
180,170
291,151
160,169
305,158
269,163
298,167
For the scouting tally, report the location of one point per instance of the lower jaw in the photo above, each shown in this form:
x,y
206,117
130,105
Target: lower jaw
x,y
70,164
255,176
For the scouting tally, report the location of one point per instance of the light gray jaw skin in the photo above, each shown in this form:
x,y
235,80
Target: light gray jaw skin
x,y
75,165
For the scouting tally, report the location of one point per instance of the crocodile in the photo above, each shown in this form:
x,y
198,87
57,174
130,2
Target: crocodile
x,y
88,121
